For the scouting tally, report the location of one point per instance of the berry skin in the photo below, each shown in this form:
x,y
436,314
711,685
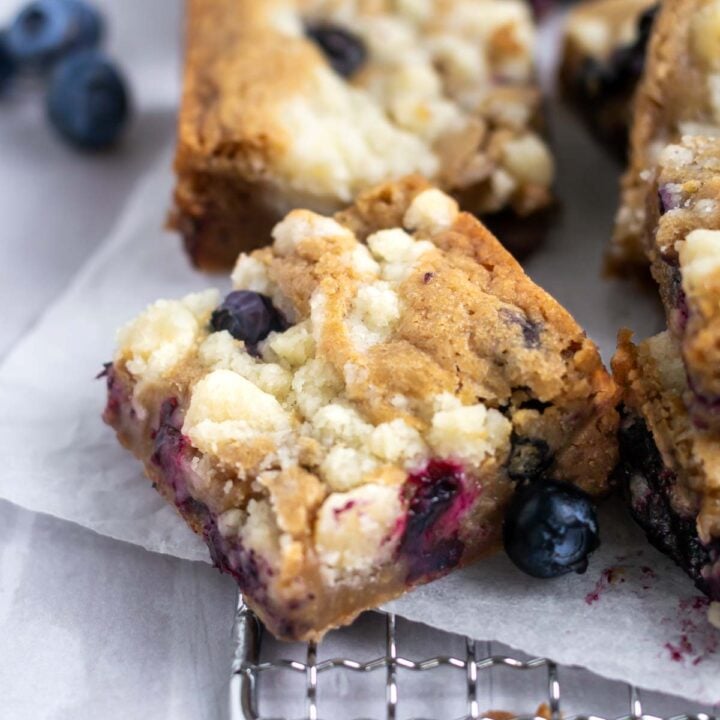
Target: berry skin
x,y
47,30
88,101
247,316
7,65
345,52
550,529
438,498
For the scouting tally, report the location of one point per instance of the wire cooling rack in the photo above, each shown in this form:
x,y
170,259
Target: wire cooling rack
x,y
249,669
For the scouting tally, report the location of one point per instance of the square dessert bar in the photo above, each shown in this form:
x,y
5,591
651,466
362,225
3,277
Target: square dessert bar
x,y
669,466
683,244
603,58
354,417
679,95
304,103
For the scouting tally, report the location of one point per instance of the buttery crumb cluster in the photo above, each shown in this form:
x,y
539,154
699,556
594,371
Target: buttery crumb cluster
x,y
353,417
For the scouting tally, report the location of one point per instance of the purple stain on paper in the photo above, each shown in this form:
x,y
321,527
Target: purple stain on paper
x,y
608,577
693,640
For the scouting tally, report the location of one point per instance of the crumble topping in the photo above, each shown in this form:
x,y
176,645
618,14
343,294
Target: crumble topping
x,y
699,258
446,90
351,522
470,432
430,211
164,335
676,155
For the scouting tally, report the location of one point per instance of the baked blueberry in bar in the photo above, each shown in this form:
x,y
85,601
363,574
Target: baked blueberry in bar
x,y
603,58
352,419
678,95
304,103
669,467
683,244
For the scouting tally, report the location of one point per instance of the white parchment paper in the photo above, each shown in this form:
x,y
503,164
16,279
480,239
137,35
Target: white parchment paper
x,y
633,616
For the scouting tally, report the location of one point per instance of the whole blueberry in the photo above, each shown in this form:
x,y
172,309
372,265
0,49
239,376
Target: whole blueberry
x,y
46,30
550,529
345,51
247,316
88,101
7,65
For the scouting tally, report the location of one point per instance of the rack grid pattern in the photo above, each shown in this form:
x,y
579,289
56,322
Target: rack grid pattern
x,y
247,668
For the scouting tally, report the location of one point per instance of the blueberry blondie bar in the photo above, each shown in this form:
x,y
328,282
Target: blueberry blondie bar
x,y
353,418
678,95
683,244
603,58
304,103
669,466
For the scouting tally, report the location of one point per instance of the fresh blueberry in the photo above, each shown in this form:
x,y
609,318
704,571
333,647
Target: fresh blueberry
x,y
550,529
247,316
46,30
88,100
7,65
345,51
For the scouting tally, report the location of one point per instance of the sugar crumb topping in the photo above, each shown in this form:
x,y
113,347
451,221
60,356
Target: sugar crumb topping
x,y
436,79
155,343
699,258
432,211
355,530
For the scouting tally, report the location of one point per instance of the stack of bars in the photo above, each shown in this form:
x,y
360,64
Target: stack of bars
x,y
385,396
669,221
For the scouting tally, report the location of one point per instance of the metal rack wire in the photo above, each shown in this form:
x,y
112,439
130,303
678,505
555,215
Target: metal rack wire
x,y
247,668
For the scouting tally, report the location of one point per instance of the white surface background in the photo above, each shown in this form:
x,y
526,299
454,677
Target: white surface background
x,y
148,635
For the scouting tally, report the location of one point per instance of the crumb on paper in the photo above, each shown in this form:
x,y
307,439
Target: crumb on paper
x,y
609,576
648,575
714,614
